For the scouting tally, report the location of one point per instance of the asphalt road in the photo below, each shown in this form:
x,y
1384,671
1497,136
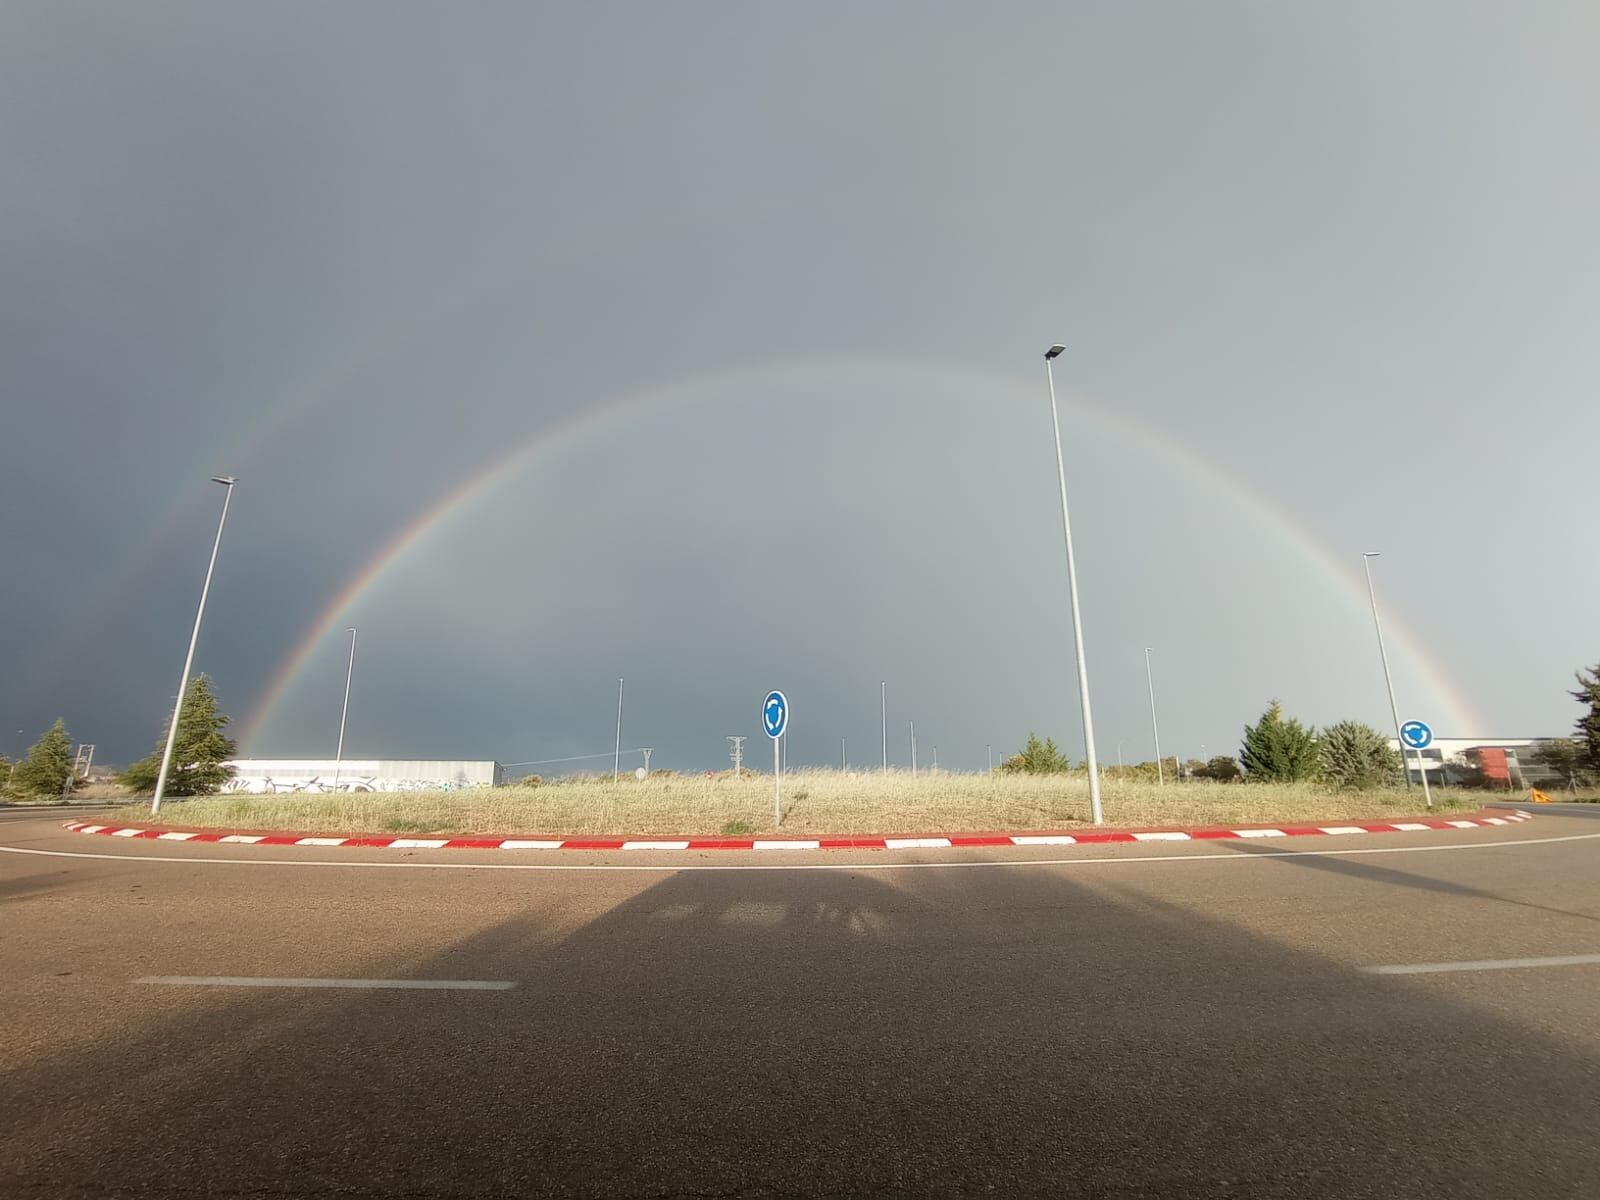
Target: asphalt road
x,y
1151,1020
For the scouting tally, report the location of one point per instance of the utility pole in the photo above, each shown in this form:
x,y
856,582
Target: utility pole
x,y
988,750
842,766
646,751
936,760
913,727
737,754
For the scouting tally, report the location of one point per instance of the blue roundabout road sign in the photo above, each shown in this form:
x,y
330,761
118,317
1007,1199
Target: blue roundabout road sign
x,y
1416,735
775,714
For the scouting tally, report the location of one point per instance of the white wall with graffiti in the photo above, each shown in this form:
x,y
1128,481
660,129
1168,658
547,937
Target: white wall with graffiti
x,y
268,776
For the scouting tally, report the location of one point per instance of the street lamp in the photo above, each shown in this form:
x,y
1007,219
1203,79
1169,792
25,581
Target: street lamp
x,y
1388,680
1072,584
338,756
226,481
616,757
883,720
1155,730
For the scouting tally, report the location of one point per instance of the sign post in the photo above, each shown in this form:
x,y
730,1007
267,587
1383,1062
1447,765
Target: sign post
x,y
1419,736
775,719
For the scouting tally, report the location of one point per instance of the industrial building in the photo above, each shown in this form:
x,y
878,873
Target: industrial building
x,y
264,776
1509,763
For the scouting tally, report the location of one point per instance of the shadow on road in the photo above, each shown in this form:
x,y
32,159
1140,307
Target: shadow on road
x,y
776,1032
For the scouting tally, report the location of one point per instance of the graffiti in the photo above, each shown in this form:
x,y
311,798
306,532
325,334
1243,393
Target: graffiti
x,y
273,785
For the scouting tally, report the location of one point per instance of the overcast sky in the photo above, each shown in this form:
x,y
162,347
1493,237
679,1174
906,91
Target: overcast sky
x,y
701,345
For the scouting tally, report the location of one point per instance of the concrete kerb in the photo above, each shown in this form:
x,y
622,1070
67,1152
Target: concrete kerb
x,y
1483,819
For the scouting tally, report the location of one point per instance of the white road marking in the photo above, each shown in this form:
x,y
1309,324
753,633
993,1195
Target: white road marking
x,y
175,837
525,844
1410,827
1043,839
1246,833
655,845
1161,837
419,843
319,841
1487,964
916,843
244,839
1337,829
127,832
431,985
673,868
1463,824
769,844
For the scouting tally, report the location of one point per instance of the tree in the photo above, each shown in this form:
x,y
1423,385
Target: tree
x,y
1355,755
44,772
1222,767
1566,757
198,752
1277,750
1037,758
1588,728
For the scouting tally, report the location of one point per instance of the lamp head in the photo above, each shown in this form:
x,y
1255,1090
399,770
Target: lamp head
x,y
225,480
1053,351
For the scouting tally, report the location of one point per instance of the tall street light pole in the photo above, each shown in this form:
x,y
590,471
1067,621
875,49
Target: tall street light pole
x,y
1388,679
616,757
338,755
227,481
1155,729
1072,584
883,718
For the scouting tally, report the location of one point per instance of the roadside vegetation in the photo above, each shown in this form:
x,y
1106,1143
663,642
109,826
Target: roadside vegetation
x,y
815,802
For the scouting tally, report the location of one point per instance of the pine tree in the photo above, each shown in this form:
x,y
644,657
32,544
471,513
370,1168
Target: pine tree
x,y
1037,758
1355,755
1278,751
44,772
1588,727
198,752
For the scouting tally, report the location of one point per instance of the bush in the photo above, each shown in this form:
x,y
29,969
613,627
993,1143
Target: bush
x,y
1224,768
1037,758
1276,750
1355,755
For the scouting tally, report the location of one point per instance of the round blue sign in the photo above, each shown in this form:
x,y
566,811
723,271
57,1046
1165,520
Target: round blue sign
x,y
1416,734
775,714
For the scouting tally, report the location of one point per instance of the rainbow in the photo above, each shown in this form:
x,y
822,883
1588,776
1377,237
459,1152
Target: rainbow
x,y
615,413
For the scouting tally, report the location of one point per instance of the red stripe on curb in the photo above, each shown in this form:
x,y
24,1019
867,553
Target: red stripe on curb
x,y
956,841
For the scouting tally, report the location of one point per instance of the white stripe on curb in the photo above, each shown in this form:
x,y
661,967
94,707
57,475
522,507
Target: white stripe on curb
x,y
1338,829
1247,833
1161,837
244,839
771,845
524,844
1043,839
320,841
930,843
174,837
419,843
684,845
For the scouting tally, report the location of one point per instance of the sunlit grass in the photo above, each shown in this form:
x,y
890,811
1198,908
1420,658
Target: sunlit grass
x,y
814,802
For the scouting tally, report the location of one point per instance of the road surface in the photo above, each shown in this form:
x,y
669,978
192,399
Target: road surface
x,y
1151,1020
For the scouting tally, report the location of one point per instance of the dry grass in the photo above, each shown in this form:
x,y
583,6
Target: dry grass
x,y
815,802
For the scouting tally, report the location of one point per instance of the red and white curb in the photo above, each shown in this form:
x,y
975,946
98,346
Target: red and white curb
x,y
955,840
